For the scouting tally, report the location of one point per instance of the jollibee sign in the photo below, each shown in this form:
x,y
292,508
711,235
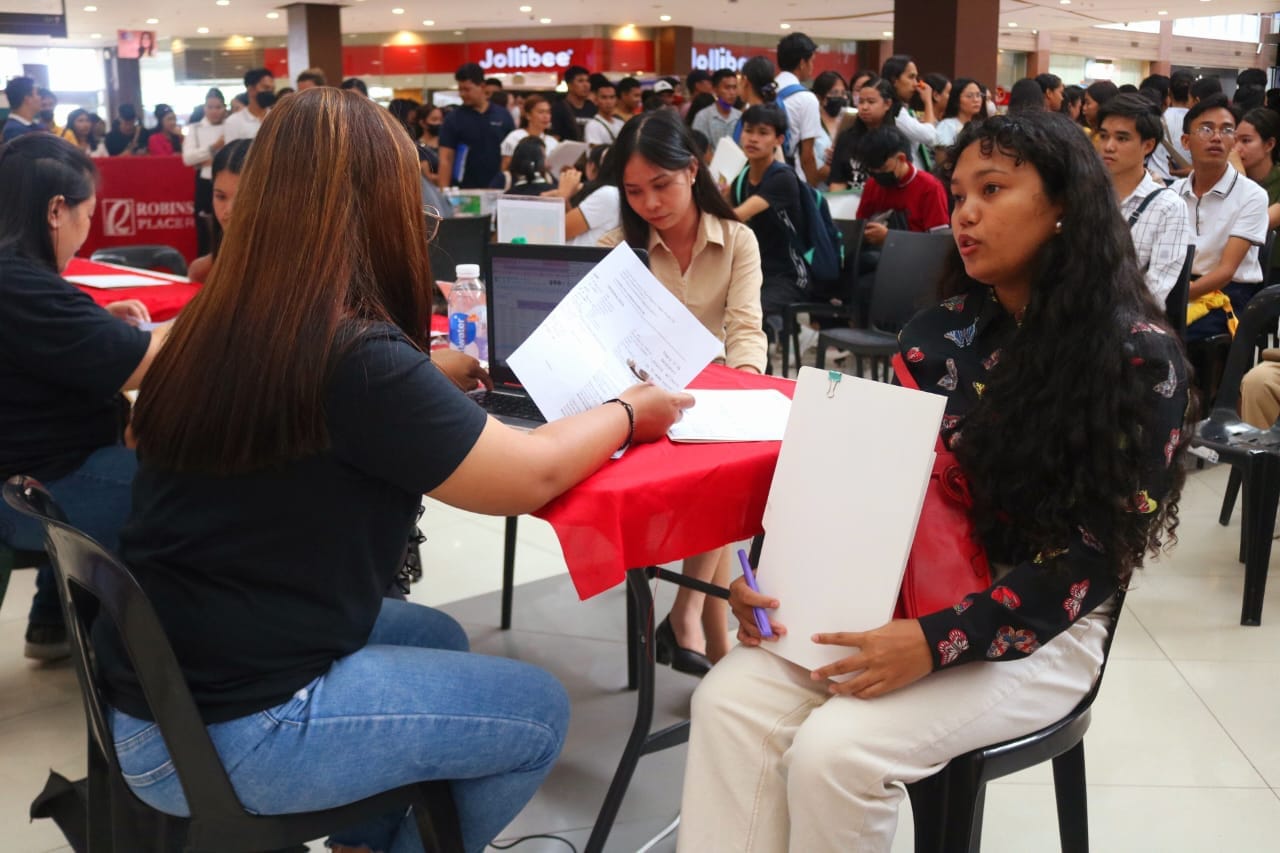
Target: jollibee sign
x,y
525,57
715,58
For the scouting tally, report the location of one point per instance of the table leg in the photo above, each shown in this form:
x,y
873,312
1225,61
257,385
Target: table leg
x,y
508,570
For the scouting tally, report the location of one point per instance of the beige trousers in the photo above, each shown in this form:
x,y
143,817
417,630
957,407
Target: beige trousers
x,y
1260,395
775,764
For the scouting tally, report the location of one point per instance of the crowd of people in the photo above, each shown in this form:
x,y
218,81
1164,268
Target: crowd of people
x,y
300,377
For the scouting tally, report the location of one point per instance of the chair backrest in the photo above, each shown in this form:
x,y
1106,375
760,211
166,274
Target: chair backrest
x,y
460,240
91,582
911,265
851,232
1265,255
1262,309
143,257
1175,304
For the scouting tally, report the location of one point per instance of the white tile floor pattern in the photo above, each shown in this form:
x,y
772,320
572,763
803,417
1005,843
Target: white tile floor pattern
x,y
1182,756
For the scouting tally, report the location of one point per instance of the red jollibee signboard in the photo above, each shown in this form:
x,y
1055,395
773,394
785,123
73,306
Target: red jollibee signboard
x,y
144,200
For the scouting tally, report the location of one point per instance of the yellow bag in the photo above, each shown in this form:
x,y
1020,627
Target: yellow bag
x,y
1202,305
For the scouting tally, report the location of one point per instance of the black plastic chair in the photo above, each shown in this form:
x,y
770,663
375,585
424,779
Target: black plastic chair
x,y
851,230
460,240
1175,304
164,258
911,264
90,581
947,807
1252,453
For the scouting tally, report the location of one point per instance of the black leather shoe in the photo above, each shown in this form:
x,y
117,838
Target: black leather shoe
x,y
668,652
46,642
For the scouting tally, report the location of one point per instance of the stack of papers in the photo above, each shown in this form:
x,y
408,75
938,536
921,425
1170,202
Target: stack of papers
x,y
727,161
756,415
113,282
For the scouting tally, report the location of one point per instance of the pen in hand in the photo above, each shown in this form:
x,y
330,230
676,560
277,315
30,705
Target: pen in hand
x,y
762,618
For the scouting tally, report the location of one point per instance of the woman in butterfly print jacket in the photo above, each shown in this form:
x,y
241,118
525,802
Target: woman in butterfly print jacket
x,y
1066,401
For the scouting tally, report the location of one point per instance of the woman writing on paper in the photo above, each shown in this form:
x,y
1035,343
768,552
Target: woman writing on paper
x,y
63,362
711,262
285,444
1066,399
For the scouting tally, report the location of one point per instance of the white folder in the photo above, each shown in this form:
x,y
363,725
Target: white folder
x,y
843,507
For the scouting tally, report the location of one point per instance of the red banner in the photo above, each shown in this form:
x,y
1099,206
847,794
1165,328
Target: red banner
x,y
145,200
546,56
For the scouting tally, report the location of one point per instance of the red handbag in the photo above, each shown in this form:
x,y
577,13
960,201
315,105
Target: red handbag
x,y
947,561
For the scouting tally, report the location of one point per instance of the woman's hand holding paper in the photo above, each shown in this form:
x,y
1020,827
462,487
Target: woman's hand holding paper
x,y
888,658
742,600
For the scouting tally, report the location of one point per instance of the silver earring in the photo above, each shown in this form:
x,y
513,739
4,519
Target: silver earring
x,y
1057,226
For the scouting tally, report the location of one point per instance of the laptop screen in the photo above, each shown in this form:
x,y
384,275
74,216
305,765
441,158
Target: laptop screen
x,y
524,283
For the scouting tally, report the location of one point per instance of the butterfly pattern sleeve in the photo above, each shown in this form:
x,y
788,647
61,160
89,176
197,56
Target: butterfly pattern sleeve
x,y
950,350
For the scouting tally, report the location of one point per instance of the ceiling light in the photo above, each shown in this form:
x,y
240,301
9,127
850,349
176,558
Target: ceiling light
x,y
248,38
153,20
544,20
397,11
222,2
1013,24
526,8
95,35
887,34
1163,12
273,15
664,18
785,26
1065,2
204,31
428,23
91,8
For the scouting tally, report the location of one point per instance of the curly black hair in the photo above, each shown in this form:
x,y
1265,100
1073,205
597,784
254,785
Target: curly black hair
x,y
1059,436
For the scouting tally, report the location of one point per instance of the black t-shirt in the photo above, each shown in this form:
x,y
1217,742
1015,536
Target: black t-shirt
x,y
476,138
262,580
117,142
776,228
63,360
845,167
568,121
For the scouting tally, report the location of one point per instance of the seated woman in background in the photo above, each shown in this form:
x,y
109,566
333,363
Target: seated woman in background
x,y
526,170
535,121
286,442
1066,398
166,139
63,363
918,124
967,102
711,262
228,163
593,207
80,133
833,98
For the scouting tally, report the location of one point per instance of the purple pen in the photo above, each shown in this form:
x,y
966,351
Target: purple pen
x,y
762,618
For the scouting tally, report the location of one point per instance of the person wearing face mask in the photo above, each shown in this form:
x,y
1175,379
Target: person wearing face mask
x,y
430,119
877,104
719,120
260,88
832,94
897,185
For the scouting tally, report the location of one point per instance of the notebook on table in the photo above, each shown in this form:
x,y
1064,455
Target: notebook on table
x,y
523,283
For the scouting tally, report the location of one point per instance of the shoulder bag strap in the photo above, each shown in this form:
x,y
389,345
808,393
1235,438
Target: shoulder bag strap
x,y
1137,214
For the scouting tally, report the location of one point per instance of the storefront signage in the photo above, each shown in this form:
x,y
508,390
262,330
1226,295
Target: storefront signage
x,y
715,58
145,200
525,57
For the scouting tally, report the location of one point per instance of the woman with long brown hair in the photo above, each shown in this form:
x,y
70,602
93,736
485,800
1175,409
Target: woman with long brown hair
x,y
285,440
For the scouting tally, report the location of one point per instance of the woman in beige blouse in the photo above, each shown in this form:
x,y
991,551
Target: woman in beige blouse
x,y
701,252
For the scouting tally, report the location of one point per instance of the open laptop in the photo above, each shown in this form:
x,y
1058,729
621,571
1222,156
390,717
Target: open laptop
x,y
523,284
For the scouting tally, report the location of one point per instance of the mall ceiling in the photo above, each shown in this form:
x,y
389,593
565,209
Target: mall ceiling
x,y
94,21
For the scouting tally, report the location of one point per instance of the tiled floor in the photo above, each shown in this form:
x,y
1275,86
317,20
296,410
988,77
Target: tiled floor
x,y
1183,753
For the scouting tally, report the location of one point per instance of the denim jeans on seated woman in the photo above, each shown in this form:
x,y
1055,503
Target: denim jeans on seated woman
x,y
412,705
95,498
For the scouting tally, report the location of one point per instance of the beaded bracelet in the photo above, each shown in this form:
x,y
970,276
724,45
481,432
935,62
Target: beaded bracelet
x,y
631,421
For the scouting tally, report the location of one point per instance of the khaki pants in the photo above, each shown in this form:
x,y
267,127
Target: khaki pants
x,y
775,764
1260,395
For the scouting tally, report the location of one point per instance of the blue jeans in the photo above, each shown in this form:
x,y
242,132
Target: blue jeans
x,y
412,705
95,498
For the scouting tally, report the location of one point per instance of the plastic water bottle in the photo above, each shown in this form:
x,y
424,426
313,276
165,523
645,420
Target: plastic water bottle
x,y
468,319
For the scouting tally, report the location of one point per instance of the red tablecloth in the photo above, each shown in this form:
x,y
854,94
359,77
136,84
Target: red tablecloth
x,y
665,501
164,301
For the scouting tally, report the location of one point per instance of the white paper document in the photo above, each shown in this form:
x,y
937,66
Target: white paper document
x,y
730,415
728,160
112,282
564,155
533,218
618,326
843,507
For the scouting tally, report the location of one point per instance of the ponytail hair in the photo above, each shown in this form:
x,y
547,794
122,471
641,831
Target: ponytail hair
x,y
759,72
